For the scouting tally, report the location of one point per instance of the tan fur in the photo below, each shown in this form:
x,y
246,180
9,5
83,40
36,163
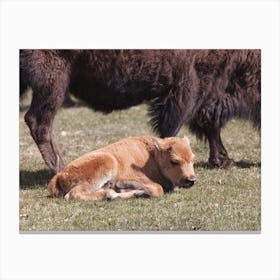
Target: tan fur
x,y
132,167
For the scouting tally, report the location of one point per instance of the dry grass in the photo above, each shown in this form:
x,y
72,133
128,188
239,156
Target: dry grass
x,y
220,200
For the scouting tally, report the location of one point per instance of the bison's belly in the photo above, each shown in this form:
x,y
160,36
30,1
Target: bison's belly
x,y
113,94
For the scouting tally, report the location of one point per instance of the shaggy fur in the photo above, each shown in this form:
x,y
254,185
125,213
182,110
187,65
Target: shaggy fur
x,y
201,88
132,167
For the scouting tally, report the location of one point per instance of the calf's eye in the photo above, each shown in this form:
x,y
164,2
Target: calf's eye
x,y
174,162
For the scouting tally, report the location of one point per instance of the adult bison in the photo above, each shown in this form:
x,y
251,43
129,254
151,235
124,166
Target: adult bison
x,y
202,88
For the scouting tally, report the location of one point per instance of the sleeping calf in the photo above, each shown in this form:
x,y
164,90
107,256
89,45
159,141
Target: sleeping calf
x,y
133,167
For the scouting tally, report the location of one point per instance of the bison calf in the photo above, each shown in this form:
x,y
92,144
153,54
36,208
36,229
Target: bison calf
x,y
133,167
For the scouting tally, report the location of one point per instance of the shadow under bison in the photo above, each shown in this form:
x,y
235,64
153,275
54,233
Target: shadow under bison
x,y
200,88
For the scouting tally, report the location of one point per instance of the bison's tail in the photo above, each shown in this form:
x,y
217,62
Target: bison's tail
x,y
54,187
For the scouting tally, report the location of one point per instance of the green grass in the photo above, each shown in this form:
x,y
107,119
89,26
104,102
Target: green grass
x,y
220,200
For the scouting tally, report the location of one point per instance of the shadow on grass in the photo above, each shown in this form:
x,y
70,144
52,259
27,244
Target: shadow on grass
x,y
239,164
34,179
246,164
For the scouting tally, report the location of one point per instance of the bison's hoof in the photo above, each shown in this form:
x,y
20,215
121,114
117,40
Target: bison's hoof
x,y
225,163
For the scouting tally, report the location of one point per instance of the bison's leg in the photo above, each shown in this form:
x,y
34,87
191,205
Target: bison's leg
x,y
207,123
218,154
23,85
39,119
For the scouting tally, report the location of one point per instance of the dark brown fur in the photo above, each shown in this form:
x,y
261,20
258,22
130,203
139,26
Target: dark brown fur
x,y
202,88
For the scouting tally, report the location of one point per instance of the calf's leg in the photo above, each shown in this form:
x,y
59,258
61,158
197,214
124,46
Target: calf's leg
x,y
81,192
113,195
144,187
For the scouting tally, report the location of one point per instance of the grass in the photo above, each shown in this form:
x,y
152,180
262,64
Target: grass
x,y
220,200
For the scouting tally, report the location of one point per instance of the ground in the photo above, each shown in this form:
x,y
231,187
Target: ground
x,y
221,200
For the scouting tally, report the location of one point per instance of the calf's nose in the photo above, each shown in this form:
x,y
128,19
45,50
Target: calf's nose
x,y
191,178
189,181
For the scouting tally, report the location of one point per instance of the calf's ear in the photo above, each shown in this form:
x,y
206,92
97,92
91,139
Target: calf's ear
x,y
156,143
187,139
169,149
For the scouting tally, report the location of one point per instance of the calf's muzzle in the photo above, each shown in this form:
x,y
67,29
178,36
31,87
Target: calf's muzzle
x,y
188,181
